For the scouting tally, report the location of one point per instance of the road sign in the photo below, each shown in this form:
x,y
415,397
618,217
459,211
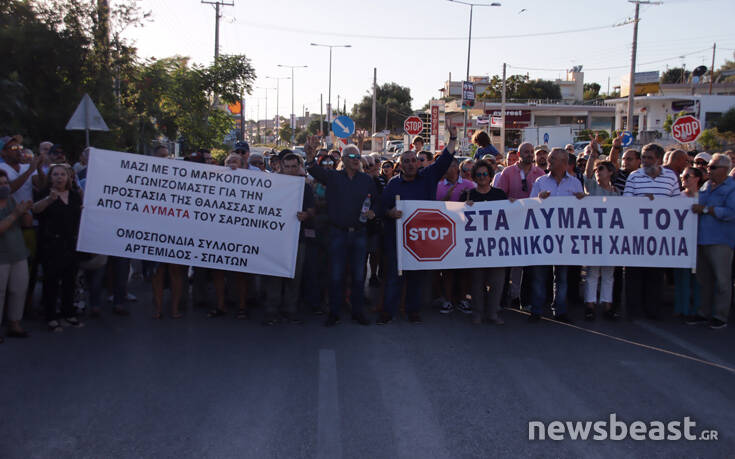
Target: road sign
x,y
343,126
429,235
546,138
86,117
413,125
686,129
627,138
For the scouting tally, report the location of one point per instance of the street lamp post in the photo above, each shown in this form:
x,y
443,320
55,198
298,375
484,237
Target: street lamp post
x,y
293,115
329,92
278,117
469,44
266,108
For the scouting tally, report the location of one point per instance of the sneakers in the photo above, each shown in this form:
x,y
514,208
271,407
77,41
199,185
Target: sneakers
x,y
695,320
384,319
360,319
589,314
446,307
415,318
465,306
332,320
716,324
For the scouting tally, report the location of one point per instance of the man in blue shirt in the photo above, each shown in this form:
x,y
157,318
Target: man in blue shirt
x,y
347,193
715,242
558,182
412,184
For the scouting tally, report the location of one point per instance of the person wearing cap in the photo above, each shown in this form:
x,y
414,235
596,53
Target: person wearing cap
x,y
348,192
413,183
715,242
484,146
701,161
417,143
242,148
541,154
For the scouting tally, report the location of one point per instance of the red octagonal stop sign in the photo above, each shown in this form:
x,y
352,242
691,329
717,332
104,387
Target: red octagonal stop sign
x,y
429,234
686,129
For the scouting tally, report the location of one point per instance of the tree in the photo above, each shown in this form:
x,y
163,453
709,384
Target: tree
x,y
313,127
392,100
521,87
726,123
591,91
728,65
669,121
709,139
675,75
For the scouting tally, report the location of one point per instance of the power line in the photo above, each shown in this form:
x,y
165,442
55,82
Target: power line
x,y
428,38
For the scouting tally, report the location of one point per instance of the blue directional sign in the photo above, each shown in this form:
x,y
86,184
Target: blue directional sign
x,y
627,138
546,137
343,126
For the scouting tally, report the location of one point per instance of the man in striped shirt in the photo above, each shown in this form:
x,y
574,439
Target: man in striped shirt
x,y
643,286
652,179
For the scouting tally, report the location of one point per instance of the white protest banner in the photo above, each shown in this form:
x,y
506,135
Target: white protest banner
x,y
593,231
191,214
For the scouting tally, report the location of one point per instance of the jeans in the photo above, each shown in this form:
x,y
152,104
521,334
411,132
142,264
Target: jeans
x,y
686,292
59,271
418,284
486,304
538,294
346,248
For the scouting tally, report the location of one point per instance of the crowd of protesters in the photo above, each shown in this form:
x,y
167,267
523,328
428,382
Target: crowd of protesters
x,y
347,238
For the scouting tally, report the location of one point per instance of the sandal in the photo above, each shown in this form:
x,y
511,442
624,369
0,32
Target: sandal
x,y
74,322
157,316
55,326
216,313
242,314
177,315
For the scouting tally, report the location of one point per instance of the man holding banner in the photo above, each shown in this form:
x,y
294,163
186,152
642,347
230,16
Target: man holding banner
x,y
558,182
411,184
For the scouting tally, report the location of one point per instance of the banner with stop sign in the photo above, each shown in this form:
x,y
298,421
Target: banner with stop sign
x,y
593,231
686,129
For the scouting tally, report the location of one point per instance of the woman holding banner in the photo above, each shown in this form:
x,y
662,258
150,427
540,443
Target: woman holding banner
x,y
486,304
58,216
600,185
686,286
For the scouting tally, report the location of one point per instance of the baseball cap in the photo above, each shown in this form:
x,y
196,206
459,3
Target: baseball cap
x,y
704,155
9,138
242,145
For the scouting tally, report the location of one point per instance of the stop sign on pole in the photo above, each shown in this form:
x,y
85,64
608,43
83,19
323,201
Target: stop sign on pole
x,y
429,235
686,129
413,125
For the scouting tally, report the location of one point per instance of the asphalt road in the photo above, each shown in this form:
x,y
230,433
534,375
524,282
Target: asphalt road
x,y
198,387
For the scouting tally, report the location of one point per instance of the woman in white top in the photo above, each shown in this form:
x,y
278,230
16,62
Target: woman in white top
x,y
686,287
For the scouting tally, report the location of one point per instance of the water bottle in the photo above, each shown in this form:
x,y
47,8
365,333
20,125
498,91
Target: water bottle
x,y
364,210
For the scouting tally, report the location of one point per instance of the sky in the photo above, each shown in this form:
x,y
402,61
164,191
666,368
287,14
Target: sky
x,y
418,43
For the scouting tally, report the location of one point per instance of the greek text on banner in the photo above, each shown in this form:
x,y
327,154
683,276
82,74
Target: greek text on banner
x,y
191,214
593,231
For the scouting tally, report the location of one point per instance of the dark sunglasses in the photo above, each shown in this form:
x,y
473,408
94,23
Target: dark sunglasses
x,y
387,166
465,170
482,174
714,167
700,163
688,176
601,168
353,155
327,163
422,159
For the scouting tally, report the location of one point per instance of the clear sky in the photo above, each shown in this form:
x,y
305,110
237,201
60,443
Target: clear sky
x,y
428,40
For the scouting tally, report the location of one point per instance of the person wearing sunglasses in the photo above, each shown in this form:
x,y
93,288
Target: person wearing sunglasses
x,y
412,184
486,304
598,182
349,192
715,242
701,161
516,181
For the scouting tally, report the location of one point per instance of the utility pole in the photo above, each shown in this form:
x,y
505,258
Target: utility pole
x,y
469,47
338,104
242,118
217,16
502,116
278,117
631,78
329,96
712,69
375,79
321,113
266,107
293,114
